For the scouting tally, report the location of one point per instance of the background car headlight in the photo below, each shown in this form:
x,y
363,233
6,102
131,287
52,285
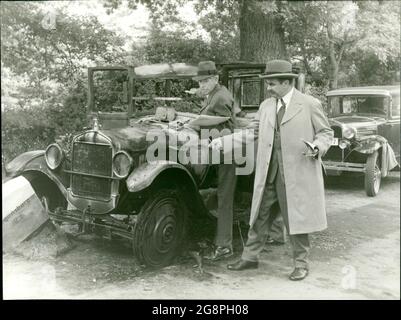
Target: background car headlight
x,y
54,155
342,144
122,164
349,132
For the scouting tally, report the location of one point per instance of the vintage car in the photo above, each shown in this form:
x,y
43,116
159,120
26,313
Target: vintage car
x,y
366,124
102,179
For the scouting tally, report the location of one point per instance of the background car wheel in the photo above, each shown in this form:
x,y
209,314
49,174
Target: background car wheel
x,y
160,229
372,175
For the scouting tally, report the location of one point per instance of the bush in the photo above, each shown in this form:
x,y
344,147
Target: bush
x,y
35,128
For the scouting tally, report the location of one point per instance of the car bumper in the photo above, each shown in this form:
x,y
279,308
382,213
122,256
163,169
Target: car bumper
x,y
336,167
104,224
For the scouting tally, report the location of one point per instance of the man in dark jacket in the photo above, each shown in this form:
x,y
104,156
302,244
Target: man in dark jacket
x,y
219,102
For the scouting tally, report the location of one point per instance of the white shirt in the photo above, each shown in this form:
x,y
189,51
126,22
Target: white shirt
x,y
286,99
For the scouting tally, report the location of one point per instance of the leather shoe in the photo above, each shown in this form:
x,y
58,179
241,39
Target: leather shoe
x,y
243,265
299,274
220,253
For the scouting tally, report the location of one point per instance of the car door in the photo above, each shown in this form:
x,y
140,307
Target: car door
x,y
391,130
394,126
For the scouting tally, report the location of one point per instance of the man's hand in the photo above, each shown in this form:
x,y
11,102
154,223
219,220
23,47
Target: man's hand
x,y
192,91
216,144
313,154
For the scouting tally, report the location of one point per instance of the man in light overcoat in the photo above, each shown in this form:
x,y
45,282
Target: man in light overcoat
x,y
288,171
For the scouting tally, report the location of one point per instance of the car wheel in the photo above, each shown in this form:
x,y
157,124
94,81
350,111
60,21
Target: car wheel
x,y
372,175
160,229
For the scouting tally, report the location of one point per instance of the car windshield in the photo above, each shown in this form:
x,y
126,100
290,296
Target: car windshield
x,y
152,93
357,105
110,90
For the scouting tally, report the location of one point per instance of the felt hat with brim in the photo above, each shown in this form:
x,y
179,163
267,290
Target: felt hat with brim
x,y
206,69
278,69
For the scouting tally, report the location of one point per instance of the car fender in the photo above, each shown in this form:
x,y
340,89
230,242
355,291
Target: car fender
x,y
16,166
143,176
370,144
32,164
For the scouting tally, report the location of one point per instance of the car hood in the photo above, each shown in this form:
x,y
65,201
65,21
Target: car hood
x,y
357,121
128,138
135,137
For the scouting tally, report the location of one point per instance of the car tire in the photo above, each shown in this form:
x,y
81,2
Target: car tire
x,y
160,229
372,175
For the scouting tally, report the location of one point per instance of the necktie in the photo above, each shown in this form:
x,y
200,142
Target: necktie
x,y
280,113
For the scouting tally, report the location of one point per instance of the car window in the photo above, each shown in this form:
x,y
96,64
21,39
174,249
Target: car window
x,y
344,105
395,110
250,95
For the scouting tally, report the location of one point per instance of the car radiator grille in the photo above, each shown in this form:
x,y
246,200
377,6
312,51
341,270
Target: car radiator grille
x,y
337,132
334,154
91,166
367,131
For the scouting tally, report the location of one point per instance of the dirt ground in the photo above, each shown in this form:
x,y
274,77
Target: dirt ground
x,y
357,257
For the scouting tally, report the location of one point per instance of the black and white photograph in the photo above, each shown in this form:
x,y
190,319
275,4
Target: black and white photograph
x,y
213,151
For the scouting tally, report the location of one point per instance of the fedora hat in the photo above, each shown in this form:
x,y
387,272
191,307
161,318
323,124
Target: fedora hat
x,y
206,69
278,69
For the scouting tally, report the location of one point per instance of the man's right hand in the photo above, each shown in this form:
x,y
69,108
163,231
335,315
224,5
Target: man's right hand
x,y
192,91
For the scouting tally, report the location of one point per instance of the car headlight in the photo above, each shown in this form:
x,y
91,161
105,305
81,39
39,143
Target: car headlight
x,y
122,164
349,132
343,144
54,156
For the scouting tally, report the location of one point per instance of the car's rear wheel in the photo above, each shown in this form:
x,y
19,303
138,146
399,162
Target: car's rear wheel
x,y
160,229
372,175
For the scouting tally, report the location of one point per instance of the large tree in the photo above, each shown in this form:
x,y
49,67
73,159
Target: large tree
x,y
261,31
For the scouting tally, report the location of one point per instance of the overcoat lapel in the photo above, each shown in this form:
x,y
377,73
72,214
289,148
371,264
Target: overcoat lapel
x,y
294,107
270,112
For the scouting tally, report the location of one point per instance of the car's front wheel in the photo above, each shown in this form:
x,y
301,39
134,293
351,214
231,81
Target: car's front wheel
x,y
160,229
372,175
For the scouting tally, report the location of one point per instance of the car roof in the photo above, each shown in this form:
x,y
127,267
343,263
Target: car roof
x,y
174,70
155,71
166,70
393,90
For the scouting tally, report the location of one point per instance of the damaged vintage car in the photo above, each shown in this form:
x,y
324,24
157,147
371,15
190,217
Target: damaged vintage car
x,y
366,124
102,180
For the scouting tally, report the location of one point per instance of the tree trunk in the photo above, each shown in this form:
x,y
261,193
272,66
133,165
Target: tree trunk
x,y
333,61
334,77
261,34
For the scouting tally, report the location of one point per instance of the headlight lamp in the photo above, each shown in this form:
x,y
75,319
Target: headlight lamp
x,y
349,132
343,144
122,164
54,156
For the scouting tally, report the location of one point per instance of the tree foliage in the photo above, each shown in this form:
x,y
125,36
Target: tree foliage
x,y
44,59
52,45
45,51
329,37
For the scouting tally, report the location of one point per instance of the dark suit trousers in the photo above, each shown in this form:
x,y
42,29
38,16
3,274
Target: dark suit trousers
x,y
225,197
276,229
274,194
